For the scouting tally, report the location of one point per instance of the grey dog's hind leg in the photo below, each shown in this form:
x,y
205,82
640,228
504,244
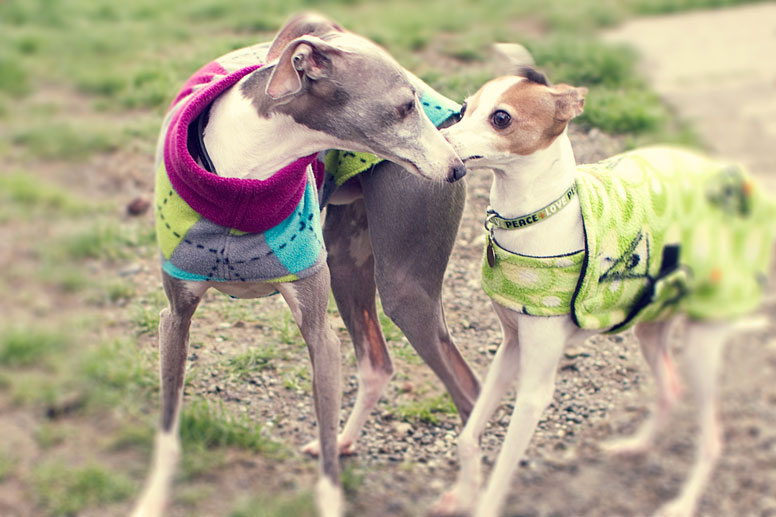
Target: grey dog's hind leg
x,y
353,283
413,224
307,298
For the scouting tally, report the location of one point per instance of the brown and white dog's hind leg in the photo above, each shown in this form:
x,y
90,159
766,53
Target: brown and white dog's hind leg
x,y
654,341
705,344
307,299
183,297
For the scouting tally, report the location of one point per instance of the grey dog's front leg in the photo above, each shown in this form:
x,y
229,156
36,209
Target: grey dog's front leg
x,y
174,326
413,224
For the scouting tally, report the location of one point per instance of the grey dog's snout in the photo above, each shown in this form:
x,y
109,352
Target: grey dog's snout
x,y
457,172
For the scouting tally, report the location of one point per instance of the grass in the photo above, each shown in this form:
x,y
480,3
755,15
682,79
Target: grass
x,y
207,425
117,371
145,313
250,362
23,194
104,240
63,491
298,505
25,347
65,141
425,410
7,463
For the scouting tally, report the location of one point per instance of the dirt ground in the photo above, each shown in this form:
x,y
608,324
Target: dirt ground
x,y
603,387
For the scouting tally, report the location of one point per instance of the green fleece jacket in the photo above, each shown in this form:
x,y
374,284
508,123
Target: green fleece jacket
x,y
666,230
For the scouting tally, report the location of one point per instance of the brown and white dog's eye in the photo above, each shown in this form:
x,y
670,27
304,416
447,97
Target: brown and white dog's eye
x,y
500,119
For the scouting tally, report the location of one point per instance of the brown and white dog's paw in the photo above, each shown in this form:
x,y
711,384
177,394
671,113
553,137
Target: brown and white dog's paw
x,y
451,504
676,508
346,448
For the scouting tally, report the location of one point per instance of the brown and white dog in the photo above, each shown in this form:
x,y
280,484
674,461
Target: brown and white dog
x,y
516,126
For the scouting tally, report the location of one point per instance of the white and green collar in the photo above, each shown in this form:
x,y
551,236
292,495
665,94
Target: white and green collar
x,y
524,221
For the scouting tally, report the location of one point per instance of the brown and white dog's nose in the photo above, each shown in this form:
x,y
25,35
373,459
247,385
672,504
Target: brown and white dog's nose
x,y
456,172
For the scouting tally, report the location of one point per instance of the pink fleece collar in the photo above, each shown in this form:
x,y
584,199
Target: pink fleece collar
x,y
248,205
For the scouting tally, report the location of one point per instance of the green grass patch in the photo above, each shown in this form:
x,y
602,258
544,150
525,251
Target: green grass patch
x,y
118,371
7,465
13,77
68,277
145,313
50,434
247,364
626,111
23,194
63,491
133,436
117,291
101,239
298,505
204,424
426,410
298,379
289,331
132,57
62,140
30,347
390,330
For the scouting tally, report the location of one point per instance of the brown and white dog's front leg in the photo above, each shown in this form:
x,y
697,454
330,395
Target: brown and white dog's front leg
x,y
308,299
183,297
463,497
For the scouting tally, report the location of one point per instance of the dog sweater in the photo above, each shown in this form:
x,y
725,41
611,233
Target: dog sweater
x,y
666,230
211,228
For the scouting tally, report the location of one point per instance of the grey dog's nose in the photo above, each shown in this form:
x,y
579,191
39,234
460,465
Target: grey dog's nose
x,y
456,173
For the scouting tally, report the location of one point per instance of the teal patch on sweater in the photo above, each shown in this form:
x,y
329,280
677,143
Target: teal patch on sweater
x,y
298,240
175,272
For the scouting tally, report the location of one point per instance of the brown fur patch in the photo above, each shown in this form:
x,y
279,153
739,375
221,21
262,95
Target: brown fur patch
x,y
534,125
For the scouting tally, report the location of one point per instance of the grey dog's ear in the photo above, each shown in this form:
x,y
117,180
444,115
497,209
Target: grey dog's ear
x,y
306,56
302,24
513,56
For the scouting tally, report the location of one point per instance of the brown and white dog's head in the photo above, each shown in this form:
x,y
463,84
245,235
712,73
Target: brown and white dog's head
x,y
512,117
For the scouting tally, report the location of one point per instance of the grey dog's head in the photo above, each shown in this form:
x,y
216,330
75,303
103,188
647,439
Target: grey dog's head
x,y
345,87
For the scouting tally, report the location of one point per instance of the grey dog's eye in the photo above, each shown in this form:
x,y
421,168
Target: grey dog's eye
x,y
406,109
501,119
462,112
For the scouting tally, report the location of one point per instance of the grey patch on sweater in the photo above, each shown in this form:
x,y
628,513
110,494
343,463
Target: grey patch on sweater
x,y
212,251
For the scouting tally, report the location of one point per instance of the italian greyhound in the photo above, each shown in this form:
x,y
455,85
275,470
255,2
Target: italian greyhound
x,y
516,126
319,87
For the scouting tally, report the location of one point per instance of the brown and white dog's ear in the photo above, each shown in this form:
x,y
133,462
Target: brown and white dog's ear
x,y
512,56
302,24
306,56
569,101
